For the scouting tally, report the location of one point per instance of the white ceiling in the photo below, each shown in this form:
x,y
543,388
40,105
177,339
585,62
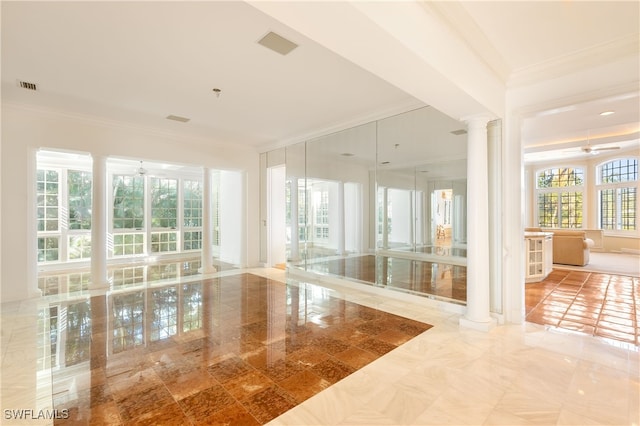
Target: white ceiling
x,y
139,62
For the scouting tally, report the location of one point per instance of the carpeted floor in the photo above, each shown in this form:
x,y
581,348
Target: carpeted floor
x,y
613,263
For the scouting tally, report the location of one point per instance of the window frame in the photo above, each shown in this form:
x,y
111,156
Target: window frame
x,y
616,187
560,191
64,233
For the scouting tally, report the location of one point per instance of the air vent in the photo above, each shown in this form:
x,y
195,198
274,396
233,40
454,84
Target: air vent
x,y
178,118
459,132
277,43
27,85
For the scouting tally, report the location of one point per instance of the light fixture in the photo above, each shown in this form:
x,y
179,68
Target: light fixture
x,y
217,92
347,154
605,113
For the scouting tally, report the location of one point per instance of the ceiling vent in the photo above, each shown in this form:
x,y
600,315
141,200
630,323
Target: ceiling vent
x,y
277,43
27,85
459,132
178,118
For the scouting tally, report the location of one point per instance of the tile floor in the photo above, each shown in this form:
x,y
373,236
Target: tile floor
x,y
525,374
241,349
598,304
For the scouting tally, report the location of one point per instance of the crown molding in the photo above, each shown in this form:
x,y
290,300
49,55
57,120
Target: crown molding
x,y
576,61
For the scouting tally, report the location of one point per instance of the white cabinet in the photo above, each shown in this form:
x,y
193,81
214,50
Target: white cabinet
x,y
539,255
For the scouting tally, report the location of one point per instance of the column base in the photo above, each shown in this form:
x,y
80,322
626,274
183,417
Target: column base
x,y
99,286
208,270
478,325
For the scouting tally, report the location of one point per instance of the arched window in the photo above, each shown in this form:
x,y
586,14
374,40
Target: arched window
x,y
560,197
617,187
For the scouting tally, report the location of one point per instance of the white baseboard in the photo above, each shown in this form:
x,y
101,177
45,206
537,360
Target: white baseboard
x,y
630,251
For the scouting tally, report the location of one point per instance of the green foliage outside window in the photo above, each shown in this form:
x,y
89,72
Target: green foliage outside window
x,y
192,204
164,203
79,187
48,249
128,202
560,178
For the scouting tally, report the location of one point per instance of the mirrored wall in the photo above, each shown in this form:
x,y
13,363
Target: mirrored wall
x,y
383,203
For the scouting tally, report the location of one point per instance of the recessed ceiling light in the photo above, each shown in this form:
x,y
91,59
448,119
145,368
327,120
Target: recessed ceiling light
x,y
459,132
605,113
347,154
178,118
385,162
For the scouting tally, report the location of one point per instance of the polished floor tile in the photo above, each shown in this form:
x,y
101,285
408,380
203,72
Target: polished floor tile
x,y
239,348
514,374
603,305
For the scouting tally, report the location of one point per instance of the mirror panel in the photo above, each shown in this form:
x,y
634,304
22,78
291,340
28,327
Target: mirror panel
x,y
383,203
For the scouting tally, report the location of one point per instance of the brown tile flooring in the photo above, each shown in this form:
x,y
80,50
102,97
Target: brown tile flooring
x,y
599,304
234,350
438,279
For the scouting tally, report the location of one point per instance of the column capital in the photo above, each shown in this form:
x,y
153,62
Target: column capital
x,y
478,120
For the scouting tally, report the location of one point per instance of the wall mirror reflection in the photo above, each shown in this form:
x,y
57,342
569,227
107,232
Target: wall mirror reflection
x,y
383,203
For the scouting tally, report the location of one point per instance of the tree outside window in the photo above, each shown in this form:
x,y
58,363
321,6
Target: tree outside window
x,y
617,194
63,206
560,197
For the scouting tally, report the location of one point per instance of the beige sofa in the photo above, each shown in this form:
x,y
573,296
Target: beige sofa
x,y
570,247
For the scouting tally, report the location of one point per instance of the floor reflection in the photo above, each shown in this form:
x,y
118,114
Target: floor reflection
x,y
441,280
240,349
124,276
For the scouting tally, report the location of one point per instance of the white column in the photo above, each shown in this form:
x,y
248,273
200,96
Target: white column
x,y
295,237
340,227
477,315
99,277
207,224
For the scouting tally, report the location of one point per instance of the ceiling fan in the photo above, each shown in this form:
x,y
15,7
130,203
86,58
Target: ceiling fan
x,y
588,149
594,149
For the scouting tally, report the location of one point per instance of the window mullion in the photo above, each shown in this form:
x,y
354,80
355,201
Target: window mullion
x,y
147,224
63,215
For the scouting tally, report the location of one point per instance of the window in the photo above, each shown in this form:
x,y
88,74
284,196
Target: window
x,y
163,242
560,197
79,199
128,202
164,214
63,208
192,212
617,194
303,228
321,214
48,199
164,203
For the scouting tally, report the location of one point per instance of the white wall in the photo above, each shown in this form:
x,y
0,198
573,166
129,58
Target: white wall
x,y
25,131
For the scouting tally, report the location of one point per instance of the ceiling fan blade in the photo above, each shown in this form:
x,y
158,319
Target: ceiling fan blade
x,y
606,148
